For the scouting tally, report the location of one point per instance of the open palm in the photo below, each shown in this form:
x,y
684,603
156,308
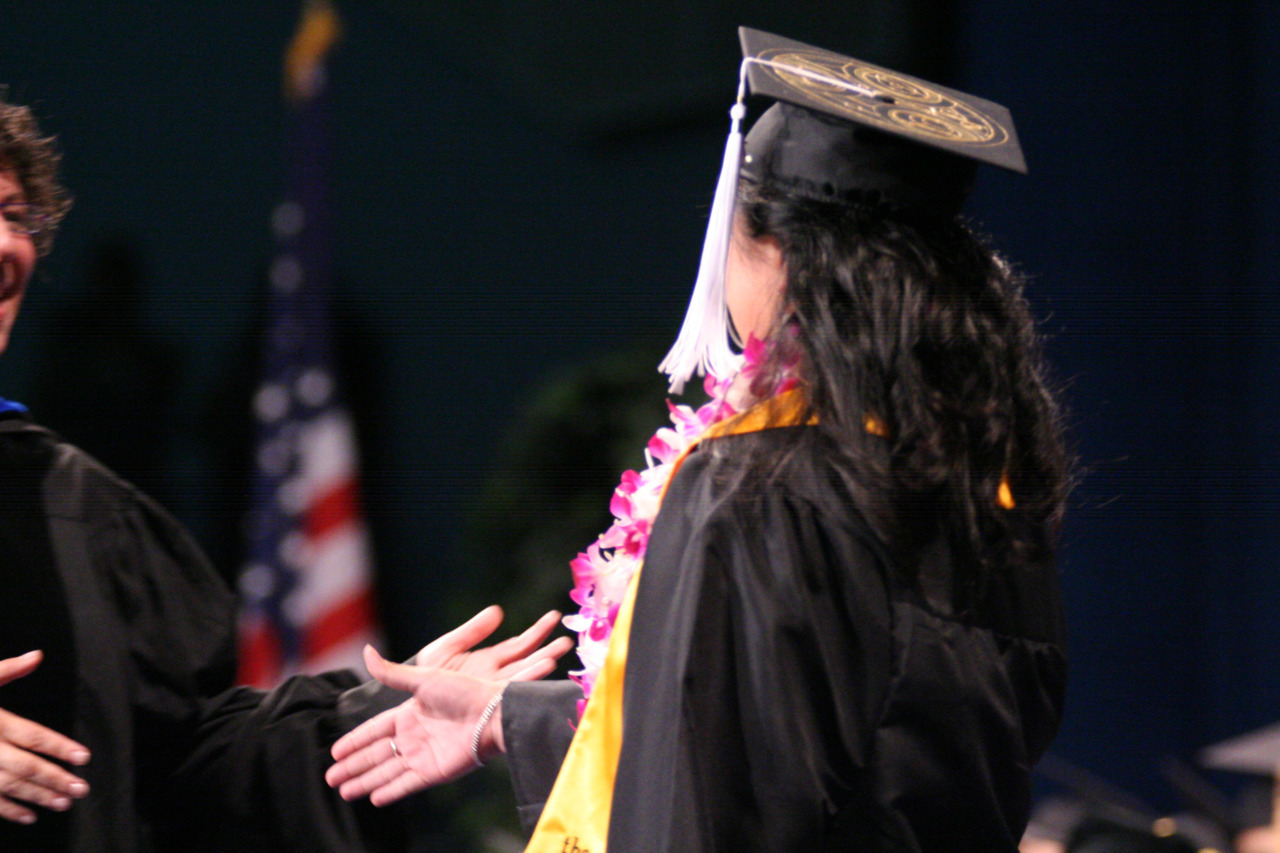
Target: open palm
x,y
427,739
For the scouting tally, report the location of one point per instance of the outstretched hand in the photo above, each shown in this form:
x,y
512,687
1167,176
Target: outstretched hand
x,y
516,659
427,739
24,775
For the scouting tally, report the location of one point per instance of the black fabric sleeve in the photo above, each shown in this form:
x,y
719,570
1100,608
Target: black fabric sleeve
x,y
538,719
212,766
253,776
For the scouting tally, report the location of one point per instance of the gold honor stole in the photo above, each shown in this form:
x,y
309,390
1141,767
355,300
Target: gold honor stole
x,y
575,818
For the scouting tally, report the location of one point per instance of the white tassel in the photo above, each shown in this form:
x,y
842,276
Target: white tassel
x,y
703,343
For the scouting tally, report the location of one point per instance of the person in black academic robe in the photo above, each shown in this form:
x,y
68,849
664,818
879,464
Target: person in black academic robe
x,y
136,639
135,633
847,633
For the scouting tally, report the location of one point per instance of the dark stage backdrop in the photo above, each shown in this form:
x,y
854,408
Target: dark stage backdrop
x,y
520,191
1149,223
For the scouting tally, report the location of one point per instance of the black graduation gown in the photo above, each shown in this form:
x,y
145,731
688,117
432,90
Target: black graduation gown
x,y
786,689
138,633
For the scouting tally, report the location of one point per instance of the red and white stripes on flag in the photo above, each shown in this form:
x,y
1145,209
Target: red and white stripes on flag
x,y
306,588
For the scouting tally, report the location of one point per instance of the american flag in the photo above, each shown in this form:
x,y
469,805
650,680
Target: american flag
x,y
306,589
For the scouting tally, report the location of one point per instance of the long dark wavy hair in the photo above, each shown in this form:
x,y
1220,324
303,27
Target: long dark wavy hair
x,y
913,323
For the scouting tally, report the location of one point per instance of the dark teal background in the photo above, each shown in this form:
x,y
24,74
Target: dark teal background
x,y
521,188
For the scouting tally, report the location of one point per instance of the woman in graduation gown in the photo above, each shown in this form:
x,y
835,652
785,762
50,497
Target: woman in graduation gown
x,y
847,633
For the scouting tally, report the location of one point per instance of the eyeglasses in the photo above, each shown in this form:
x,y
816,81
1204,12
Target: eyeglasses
x,y
24,218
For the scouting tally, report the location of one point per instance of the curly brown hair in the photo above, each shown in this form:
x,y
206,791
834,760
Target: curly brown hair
x,y
33,158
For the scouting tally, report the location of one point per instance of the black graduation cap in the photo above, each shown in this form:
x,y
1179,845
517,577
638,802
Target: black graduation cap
x,y
843,130
1257,753
867,95
846,128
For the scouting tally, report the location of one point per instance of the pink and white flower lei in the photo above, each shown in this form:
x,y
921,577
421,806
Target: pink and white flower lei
x,y
603,572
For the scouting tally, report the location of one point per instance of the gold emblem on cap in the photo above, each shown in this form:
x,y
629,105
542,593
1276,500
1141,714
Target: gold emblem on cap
x,y
881,97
